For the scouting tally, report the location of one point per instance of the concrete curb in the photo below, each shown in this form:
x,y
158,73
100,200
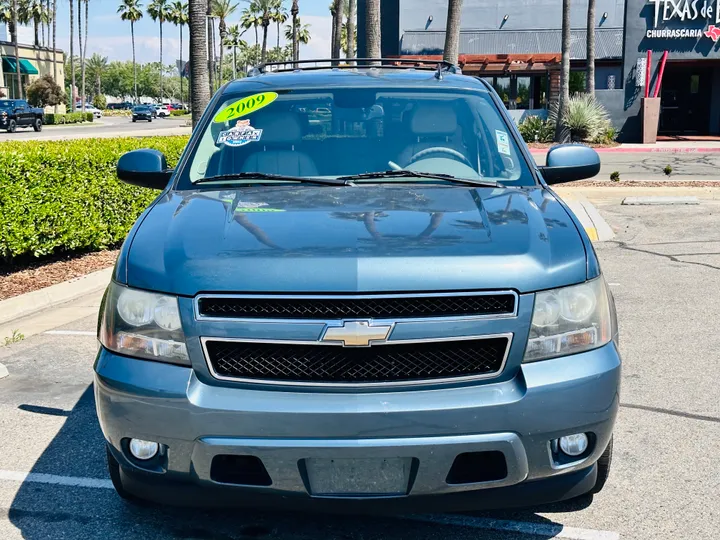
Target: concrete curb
x,y
3,372
35,301
595,226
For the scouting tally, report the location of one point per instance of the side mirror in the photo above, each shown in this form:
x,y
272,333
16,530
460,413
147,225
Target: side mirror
x,y
144,168
568,162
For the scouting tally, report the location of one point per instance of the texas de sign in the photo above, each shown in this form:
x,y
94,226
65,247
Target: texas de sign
x,y
685,10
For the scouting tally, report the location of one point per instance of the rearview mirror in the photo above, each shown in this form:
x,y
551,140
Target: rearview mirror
x,y
144,168
568,162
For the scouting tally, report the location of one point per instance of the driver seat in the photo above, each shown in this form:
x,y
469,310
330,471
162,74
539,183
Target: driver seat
x,y
431,125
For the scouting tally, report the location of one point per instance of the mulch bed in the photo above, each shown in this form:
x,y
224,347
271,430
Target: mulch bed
x,y
644,184
16,279
547,146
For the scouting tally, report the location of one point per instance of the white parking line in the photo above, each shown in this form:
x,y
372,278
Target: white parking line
x,y
40,478
522,527
70,333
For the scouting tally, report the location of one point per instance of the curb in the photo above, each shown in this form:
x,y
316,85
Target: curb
x,y
3,372
35,301
595,226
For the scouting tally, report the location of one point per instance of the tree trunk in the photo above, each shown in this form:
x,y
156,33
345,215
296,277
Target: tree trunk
x,y
37,33
278,36
132,36
210,50
337,33
263,56
452,32
565,72
80,51
352,9
372,28
332,34
54,29
84,52
234,61
182,96
590,75
72,56
161,62
17,51
295,45
199,78
223,35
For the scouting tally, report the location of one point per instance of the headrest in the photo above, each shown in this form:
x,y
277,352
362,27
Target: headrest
x,y
433,119
278,127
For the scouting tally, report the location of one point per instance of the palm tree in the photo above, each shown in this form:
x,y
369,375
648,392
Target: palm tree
x,y
351,16
300,31
590,56
233,41
159,11
131,10
264,8
452,31
372,28
222,9
15,45
279,16
199,78
294,11
84,50
179,17
565,73
54,31
72,57
48,13
33,10
250,19
336,10
96,67
6,16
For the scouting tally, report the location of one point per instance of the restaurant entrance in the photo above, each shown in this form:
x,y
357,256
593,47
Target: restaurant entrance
x,y
685,108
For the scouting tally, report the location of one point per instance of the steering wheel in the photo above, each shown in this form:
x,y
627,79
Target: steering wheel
x,y
439,150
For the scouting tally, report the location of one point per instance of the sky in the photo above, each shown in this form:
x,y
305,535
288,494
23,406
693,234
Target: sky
x,y
110,36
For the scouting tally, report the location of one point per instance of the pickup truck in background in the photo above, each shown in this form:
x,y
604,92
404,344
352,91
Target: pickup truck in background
x,y
15,113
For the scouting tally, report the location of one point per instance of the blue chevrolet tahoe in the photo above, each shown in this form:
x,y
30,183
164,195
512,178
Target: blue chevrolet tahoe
x,y
356,291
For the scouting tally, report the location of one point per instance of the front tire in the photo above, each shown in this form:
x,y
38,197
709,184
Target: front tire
x,y
116,479
149,120
37,125
134,120
12,126
603,468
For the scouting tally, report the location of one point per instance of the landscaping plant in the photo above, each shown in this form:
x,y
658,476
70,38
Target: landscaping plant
x,y
64,196
536,129
584,120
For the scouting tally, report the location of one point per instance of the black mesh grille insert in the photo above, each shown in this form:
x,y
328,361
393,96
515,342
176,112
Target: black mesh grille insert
x,y
341,308
335,364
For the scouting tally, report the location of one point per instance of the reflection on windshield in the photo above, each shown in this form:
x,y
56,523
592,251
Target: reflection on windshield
x,y
358,131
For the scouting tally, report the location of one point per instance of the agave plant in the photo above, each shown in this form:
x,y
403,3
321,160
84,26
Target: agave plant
x,y
584,120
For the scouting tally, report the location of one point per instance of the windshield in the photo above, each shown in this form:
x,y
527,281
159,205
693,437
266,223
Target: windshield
x,y
344,132
6,103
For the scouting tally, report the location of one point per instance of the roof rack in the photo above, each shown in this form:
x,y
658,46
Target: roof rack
x,y
439,66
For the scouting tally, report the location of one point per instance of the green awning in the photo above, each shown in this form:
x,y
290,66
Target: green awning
x,y
26,68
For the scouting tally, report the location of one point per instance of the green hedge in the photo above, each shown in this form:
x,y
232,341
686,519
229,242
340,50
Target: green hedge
x,y
62,196
69,118
178,112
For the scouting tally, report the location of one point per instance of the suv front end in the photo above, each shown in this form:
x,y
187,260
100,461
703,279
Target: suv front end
x,y
384,347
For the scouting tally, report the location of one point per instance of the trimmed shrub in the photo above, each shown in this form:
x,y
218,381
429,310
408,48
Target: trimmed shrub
x,y
117,112
52,119
585,118
535,129
89,117
62,196
179,112
100,101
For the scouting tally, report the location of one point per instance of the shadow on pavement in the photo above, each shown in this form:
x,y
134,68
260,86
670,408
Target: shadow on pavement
x,y
53,511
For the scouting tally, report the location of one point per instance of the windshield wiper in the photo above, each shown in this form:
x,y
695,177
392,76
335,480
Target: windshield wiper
x,y
414,174
267,176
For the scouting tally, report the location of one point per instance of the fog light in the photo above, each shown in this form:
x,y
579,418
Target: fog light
x,y
574,445
143,450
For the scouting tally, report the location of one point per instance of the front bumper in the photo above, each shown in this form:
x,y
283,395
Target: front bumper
x,y
519,416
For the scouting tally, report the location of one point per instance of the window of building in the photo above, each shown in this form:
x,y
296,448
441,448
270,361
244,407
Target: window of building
x,y
11,83
521,92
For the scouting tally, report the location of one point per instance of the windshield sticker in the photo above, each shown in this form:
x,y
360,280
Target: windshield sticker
x,y
240,135
503,142
245,106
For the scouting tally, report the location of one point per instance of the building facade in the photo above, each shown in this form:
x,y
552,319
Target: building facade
x,y
33,62
516,45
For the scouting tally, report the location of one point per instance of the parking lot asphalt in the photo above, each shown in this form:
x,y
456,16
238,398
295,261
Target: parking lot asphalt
x,y
115,126
664,270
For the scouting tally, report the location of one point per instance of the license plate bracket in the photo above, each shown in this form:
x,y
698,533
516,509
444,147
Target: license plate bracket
x,y
359,477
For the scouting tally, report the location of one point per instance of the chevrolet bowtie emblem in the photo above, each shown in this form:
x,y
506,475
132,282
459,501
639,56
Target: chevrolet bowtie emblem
x,y
357,333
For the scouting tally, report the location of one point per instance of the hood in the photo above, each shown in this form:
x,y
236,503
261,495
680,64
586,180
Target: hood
x,y
368,238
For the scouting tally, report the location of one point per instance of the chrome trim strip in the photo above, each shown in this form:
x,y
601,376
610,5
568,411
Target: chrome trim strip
x,y
273,382
248,320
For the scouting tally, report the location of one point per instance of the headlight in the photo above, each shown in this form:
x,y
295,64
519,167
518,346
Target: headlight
x,y
142,324
570,320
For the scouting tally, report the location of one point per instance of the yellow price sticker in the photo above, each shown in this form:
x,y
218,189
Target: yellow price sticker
x,y
245,106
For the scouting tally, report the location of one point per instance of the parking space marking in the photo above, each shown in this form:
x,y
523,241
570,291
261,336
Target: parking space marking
x,y
523,527
41,478
70,333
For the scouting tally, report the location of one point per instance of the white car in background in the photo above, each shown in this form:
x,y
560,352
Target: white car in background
x,y
97,113
163,111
